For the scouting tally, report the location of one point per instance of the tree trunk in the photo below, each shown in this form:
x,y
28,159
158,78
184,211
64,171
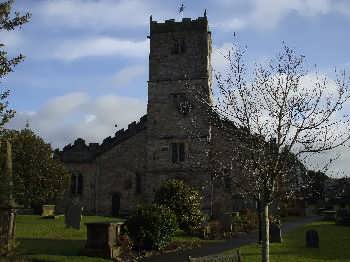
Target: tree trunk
x,y
211,199
260,220
7,211
265,235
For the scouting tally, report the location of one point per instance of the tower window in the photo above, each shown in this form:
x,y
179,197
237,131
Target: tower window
x,y
177,152
77,184
178,47
228,183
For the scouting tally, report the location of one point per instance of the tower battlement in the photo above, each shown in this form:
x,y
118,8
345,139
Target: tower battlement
x,y
187,24
179,49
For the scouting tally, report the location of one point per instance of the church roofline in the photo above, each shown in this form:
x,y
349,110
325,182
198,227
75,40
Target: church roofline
x,y
80,152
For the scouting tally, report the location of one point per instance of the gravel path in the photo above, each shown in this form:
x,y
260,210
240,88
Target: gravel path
x,y
211,249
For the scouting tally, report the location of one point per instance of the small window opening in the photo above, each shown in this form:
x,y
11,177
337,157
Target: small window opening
x,y
77,184
177,152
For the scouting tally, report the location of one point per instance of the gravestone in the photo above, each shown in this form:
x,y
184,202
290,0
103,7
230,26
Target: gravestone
x,y
102,239
73,216
329,215
226,222
312,239
275,233
236,222
48,211
343,217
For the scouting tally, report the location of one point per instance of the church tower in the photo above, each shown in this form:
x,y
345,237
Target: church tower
x,y
178,128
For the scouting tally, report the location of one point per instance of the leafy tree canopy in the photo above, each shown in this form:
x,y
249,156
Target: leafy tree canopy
x,y
37,177
8,22
184,201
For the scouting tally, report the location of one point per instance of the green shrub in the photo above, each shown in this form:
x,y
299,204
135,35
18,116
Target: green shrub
x,y
184,201
151,227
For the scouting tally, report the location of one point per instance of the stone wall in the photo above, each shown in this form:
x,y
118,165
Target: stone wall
x,y
178,49
106,168
118,170
88,196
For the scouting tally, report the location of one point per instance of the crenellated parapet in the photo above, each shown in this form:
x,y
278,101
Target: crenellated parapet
x,y
179,50
187,24
80,152
121,135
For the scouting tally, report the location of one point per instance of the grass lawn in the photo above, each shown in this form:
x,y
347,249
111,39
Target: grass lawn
x,y
334,246
49,240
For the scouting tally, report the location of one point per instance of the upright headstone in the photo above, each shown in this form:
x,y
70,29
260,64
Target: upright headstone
x,y
343,217
312,239
275,233
226,222
73,215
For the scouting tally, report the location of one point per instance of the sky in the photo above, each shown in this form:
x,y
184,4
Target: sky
x,y
86,66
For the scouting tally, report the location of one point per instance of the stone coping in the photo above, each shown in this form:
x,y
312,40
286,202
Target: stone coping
x,y
105,223
329,212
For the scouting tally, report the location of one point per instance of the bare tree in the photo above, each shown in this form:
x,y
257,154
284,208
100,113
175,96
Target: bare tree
x,y
281,115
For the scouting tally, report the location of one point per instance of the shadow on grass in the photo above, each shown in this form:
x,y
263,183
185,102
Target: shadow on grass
x,y
62,247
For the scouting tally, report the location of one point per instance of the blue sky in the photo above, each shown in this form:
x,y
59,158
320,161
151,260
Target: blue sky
x,y
86,64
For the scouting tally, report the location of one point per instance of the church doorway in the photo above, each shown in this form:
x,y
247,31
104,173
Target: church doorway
x,y
115,204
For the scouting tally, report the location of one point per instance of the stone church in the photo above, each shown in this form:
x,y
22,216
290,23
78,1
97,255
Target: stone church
x,y
173,140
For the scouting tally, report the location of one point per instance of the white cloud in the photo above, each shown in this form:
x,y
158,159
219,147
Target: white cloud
x,y
219,62
128,74
11,39
95,14
65,118
102,15
89,118
99,46
309,82
267,14
236,24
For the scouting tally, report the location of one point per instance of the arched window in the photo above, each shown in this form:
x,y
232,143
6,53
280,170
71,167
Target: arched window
x,y
138,184
178,47
77,184
73,184
80,185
